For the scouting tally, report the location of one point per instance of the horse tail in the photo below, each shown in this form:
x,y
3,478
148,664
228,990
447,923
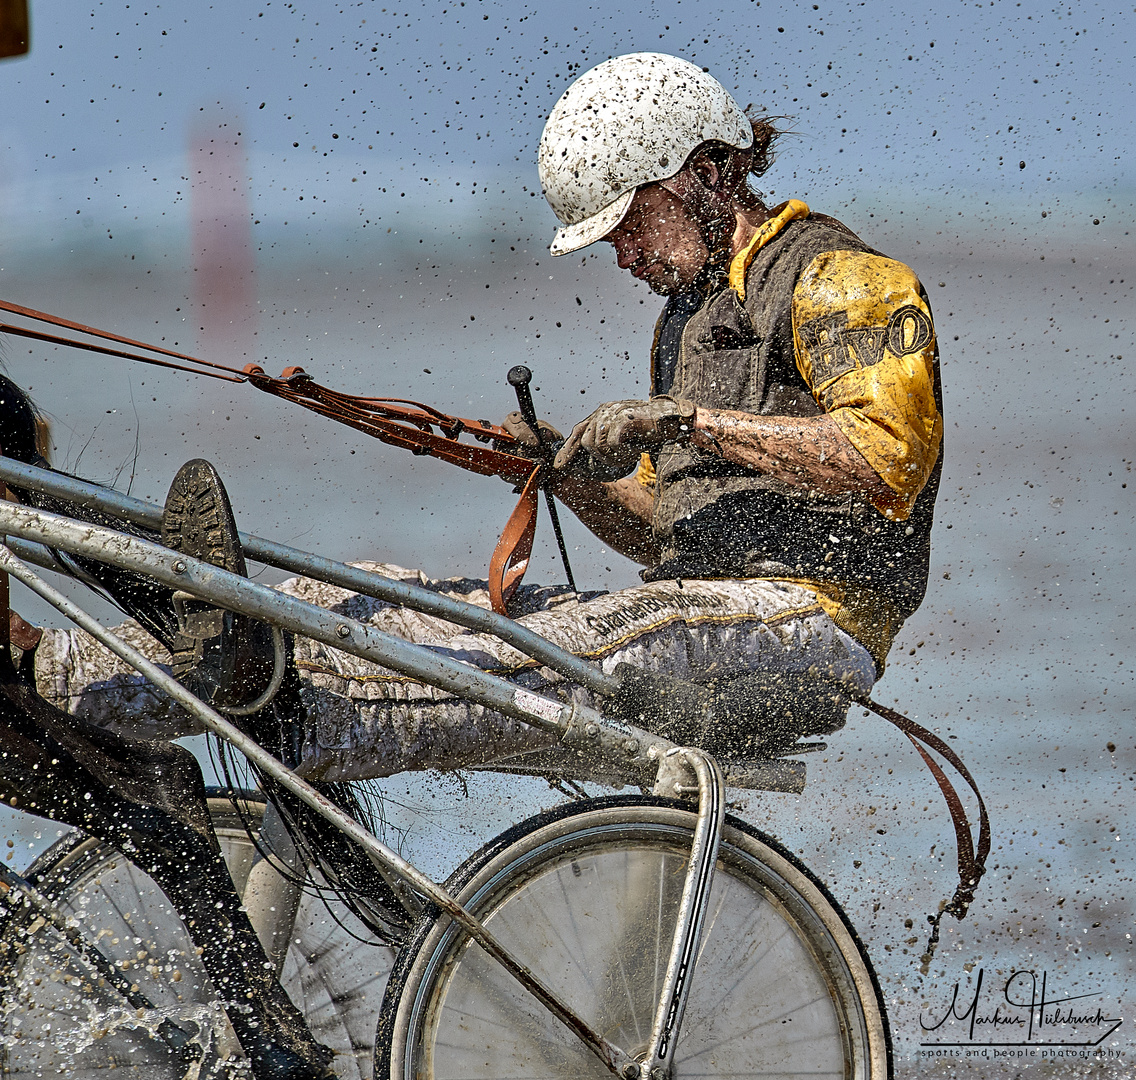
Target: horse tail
x,y
20,424
151,604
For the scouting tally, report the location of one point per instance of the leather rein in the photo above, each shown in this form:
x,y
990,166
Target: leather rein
x,y
475,445
971,854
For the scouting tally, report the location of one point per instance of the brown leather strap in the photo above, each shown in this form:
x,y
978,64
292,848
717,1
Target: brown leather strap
x,y
90,346
407,424
55,320
22,633
971,857
511,556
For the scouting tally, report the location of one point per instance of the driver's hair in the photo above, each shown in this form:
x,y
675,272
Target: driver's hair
x,y
735,165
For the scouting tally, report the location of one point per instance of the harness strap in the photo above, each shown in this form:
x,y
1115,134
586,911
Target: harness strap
x,y
511,556
90,346
971,857
21,633
55,320
406,424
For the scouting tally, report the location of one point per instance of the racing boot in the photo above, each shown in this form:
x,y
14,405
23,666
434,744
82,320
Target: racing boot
x,y
226,659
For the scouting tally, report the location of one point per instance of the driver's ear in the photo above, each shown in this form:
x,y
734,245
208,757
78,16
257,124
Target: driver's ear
x,y
705,170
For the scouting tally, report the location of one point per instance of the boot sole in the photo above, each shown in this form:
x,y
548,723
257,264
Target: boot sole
x,y
198,521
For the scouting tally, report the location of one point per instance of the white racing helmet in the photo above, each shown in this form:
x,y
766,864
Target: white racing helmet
x,y
628,122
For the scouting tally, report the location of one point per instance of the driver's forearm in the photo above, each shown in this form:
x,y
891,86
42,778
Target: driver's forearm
x,y
619,513
806,451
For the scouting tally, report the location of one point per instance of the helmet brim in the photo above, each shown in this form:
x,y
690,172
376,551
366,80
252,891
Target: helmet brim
x,y
573,237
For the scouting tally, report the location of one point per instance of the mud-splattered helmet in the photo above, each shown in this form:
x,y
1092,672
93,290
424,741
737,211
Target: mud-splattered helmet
x,y
630,121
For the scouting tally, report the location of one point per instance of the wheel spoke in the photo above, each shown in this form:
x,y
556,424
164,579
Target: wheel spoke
x,y
589,897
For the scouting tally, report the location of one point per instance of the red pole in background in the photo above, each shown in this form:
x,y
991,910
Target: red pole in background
x,y
224,261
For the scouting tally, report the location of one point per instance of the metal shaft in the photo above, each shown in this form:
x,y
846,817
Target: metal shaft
x,y
691,914
573,724
519,378
296,561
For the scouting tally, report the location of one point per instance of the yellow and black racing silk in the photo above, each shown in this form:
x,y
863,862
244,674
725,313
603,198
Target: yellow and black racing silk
x,y
811,321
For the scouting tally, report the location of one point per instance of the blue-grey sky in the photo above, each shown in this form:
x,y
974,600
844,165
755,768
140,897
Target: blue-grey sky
x,y
424,117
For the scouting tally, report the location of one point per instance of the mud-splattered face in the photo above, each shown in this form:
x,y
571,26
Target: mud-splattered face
x,y
659,242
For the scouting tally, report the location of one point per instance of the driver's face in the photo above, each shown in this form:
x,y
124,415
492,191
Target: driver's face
x,y
659,242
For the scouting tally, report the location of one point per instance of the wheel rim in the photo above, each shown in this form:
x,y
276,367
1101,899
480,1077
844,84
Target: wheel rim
x,y
56,1016
771,993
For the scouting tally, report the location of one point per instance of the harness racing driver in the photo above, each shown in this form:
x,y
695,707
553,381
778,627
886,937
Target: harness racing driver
x,y
778,485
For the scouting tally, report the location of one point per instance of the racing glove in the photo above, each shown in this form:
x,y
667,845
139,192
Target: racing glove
x,y
613,438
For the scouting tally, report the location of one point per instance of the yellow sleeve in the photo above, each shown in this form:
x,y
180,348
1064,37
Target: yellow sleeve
x,y
865,344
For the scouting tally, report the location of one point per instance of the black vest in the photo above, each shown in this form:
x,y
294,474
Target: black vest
x,y
716,519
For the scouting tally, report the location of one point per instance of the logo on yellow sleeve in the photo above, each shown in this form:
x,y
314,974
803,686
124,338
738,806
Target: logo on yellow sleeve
x,y
851,310
834,347
909,330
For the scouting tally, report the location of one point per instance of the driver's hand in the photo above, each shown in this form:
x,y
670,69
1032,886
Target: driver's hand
x,y
527,444
609,443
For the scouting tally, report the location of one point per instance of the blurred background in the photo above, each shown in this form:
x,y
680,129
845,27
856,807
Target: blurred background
x,y
352,188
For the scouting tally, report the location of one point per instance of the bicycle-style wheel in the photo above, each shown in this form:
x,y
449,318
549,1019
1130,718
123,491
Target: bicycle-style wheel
x,y
56,1019
587,897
